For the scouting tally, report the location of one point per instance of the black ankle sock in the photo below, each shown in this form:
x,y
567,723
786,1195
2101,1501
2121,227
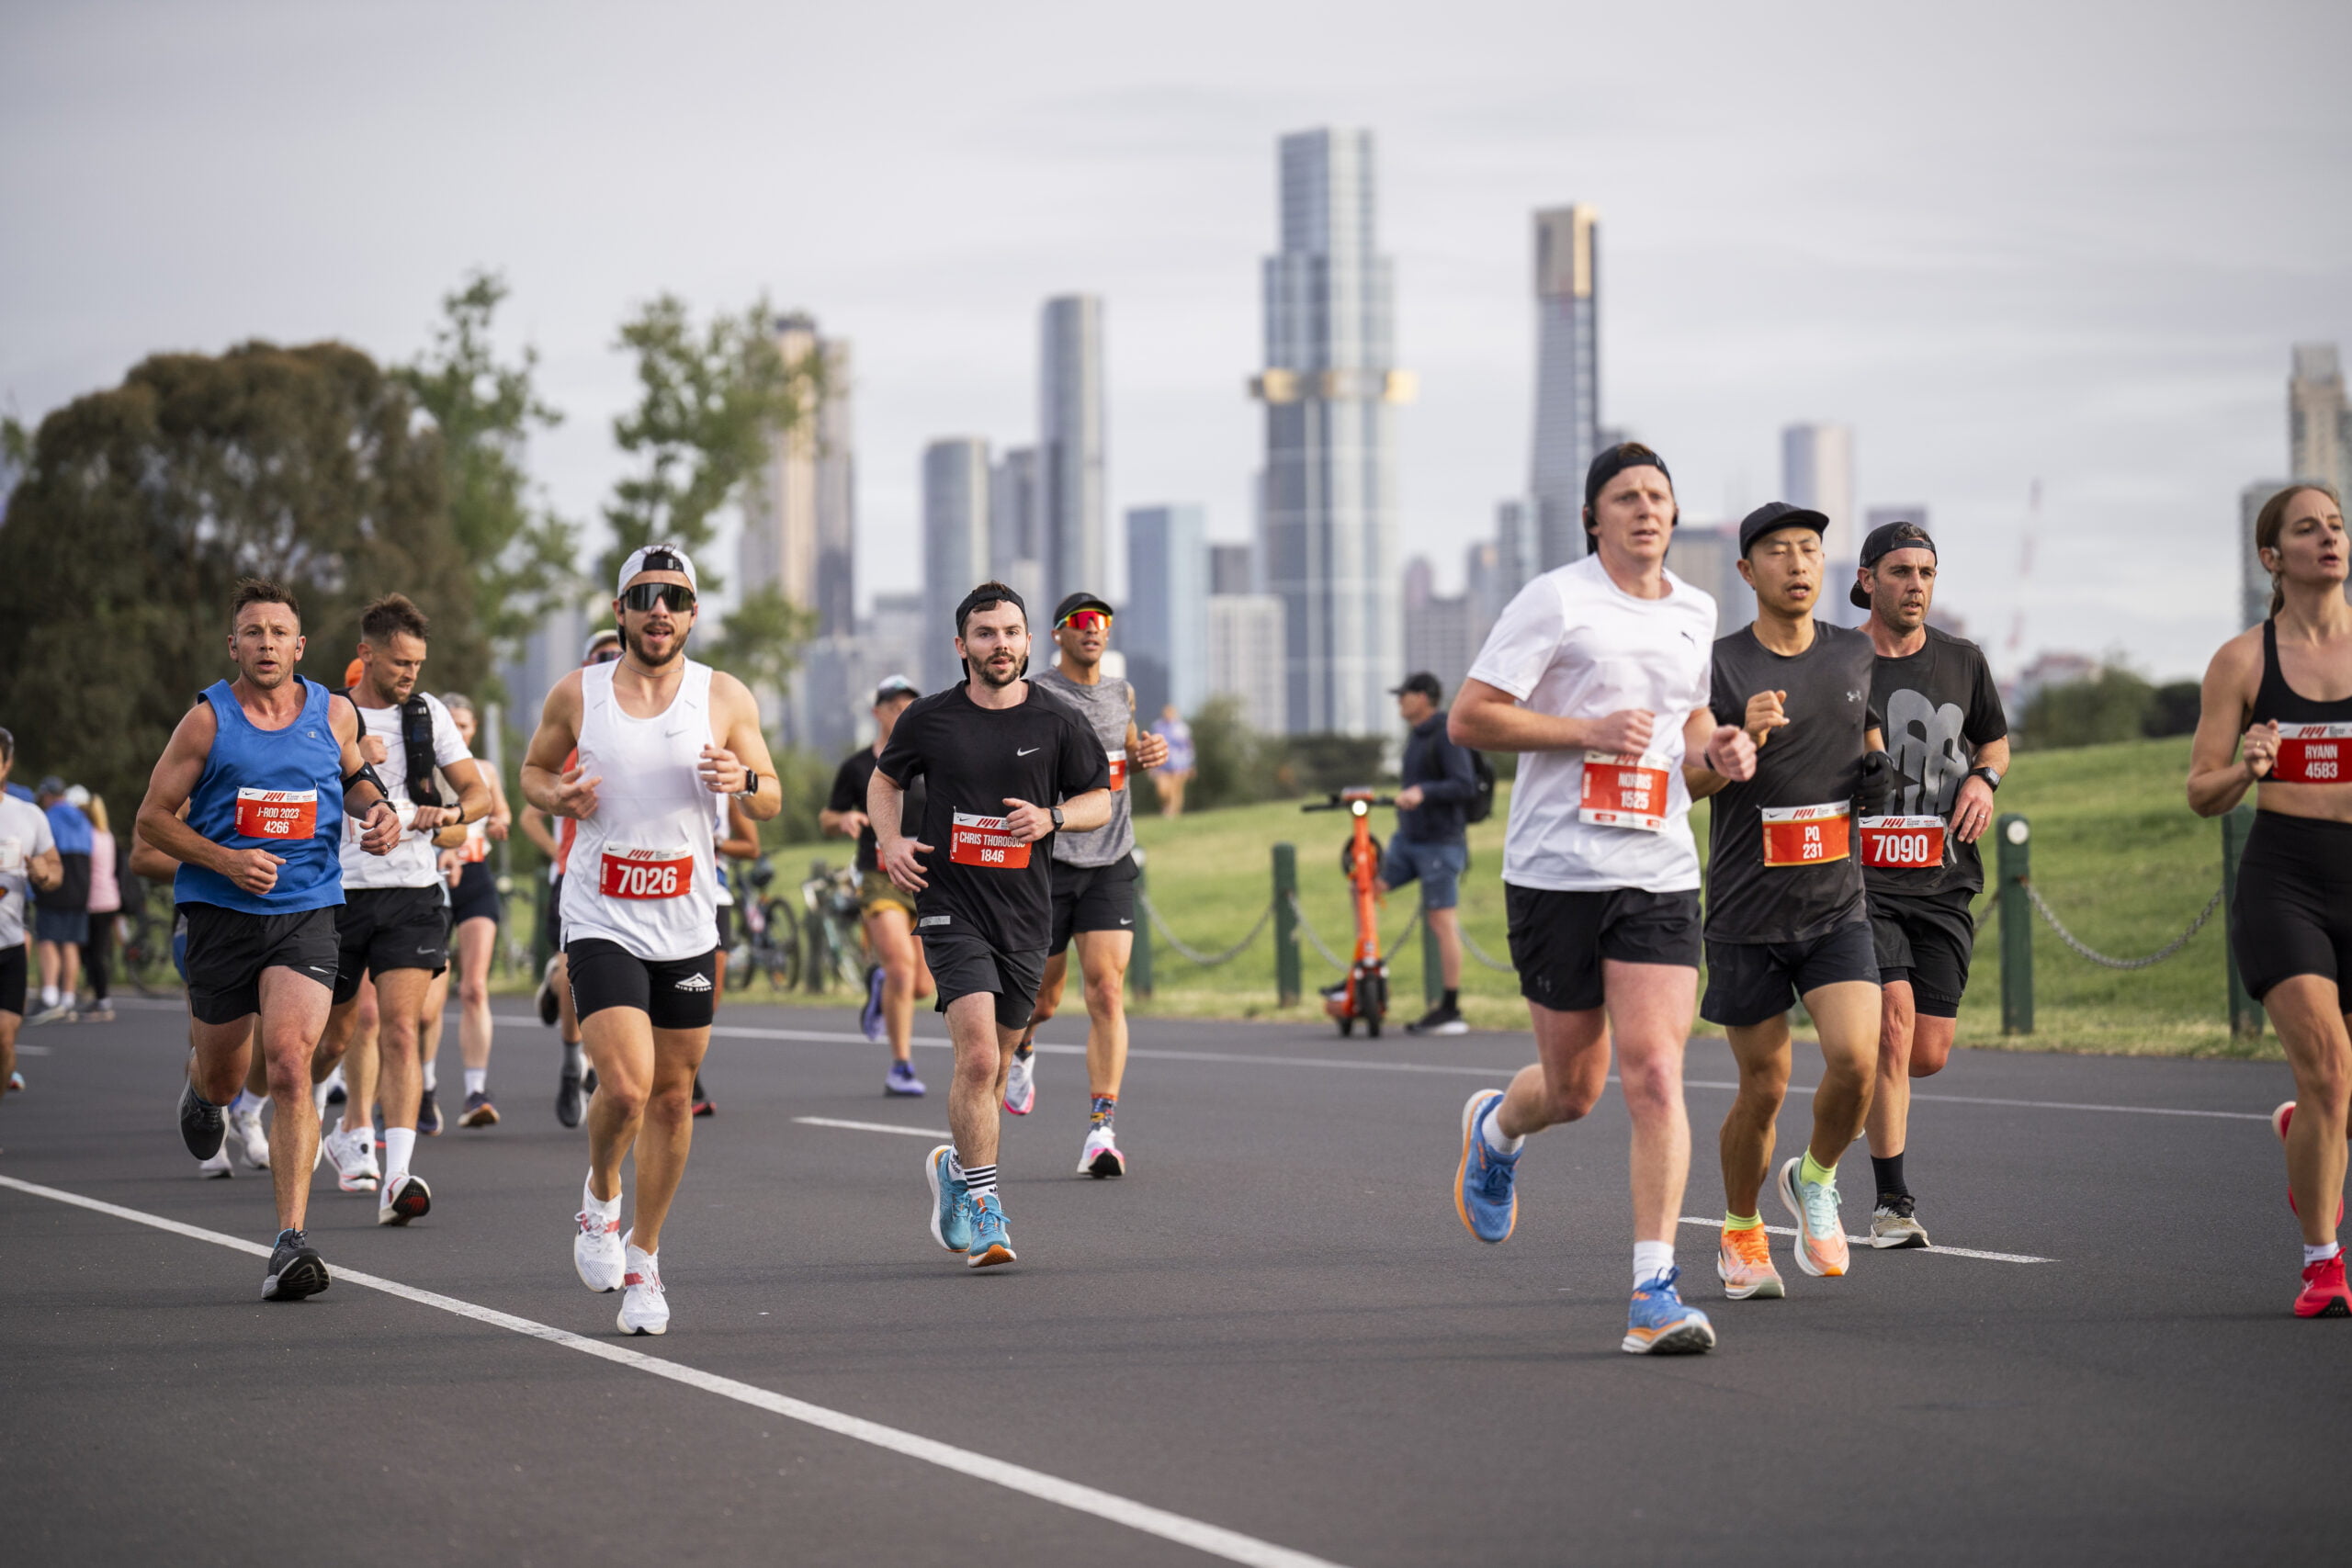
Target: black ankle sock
x,y
1453,1002
1889,1172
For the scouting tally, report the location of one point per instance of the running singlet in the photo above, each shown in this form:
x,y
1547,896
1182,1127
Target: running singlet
x,y
1109,707
279,790
1939,705
1780,863
981,881
2315,737
643,868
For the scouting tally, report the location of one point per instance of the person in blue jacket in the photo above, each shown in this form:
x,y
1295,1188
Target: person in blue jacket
x,y
1431,843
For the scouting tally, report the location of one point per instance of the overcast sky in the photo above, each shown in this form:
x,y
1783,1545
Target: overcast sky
x,y
2005,241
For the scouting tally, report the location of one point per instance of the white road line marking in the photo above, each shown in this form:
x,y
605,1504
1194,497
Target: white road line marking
x,y
1865,1241
24,1050
1212,1539
874,1127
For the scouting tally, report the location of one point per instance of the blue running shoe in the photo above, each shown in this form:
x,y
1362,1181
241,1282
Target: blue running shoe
x,y
990,1244
869,1018
951,1211
902,1080
1485,1185
1660,1324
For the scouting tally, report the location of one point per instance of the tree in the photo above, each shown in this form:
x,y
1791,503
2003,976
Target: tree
x,y
2113,704
759,641
141,506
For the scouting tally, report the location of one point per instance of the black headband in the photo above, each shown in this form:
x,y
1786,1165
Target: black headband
x,y
988,594
1615,461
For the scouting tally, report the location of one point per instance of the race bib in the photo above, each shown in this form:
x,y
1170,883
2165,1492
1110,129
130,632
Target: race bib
x,y
476,848
2314,753
1907,842
1806,835
1119,770
277,813
647,874
982,841
1624,791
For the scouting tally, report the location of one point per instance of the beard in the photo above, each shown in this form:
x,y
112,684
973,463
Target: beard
x,y
634,643
988,677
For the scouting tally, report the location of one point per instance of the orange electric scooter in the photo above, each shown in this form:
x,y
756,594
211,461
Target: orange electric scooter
x,y
1364,993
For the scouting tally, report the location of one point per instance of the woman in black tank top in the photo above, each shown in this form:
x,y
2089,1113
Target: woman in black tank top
x,y
2290,923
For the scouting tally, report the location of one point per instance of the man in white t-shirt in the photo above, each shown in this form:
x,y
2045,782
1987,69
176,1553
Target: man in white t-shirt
x,y
28,858
394,928
1597,674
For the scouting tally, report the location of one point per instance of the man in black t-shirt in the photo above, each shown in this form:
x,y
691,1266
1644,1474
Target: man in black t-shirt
x,y
897,975
1948,739
1786,915
1007,766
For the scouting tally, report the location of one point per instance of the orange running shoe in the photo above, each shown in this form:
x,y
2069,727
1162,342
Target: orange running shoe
x,y
1743,1263
2325,1292
1821,1230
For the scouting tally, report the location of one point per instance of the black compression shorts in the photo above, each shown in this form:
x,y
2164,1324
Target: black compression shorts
x,y
1093,898
1750,982
1926,942
2293,910
228,949
674,993
1559,939
963,964
475,896
384,929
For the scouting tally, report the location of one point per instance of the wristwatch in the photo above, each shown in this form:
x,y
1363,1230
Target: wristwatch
x,y
1992,776
751,783
1057,818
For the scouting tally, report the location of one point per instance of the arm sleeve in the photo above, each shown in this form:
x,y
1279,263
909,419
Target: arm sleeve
x,y
1987,719
1459,780
1084,764
1525,636
845,796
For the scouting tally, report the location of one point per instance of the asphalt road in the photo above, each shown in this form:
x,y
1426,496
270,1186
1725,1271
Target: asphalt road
x,y
1273,1338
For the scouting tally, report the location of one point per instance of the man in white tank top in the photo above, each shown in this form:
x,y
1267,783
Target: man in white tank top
x,y
658,735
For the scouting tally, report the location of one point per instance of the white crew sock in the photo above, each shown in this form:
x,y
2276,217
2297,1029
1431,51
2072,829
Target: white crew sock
x,y
477,1081
400,1142
48,995
432,1078
608,1207
2320,1253
1493,1135
1651,1260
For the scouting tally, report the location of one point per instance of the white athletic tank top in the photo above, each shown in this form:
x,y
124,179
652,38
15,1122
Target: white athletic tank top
x,y
644,867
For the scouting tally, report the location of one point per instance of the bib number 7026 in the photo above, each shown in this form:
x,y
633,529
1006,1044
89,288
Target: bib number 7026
x,y
646,873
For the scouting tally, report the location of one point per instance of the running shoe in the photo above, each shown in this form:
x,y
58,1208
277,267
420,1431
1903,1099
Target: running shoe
x,y
58,1014
1743,1263
1657,1324
991,1243
203,1125
405,1198
644,1309
218,1168
596,1244
589,1082
100,1013
902,1081
1821,1232
550,1006
951,1211
869,1018
295,1269
1021,1084
250,1141
1439,1020
2325,1294
703,1104
428,1115
1101,1156
567,1100
15,1083
354,1155
1892,1224
2280,1120
1486,1192
478,1111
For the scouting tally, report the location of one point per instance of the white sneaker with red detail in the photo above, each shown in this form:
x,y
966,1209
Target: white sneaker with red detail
x,y
644,1309
1101,1156
354,1155
596,1243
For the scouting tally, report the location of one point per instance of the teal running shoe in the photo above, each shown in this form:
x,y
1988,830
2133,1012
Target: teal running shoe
x,y
1486,1193
990,1243
951,1211
1660,1324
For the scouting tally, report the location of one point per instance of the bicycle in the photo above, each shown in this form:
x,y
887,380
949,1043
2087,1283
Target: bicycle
x,y
145,941
1364,993
836,927
764,940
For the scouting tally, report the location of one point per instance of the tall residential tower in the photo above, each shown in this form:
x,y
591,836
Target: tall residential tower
x,y
955,549
1070,502
1568,377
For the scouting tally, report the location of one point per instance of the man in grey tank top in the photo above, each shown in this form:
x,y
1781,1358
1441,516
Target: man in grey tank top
x,y
1094,885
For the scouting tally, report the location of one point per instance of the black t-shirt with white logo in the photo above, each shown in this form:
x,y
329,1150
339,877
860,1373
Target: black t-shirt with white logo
x,y
1797,811
1940,705
849,779
1041,751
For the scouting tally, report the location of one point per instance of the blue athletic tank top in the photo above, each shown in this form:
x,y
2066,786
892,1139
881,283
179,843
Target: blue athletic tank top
x,y
280,790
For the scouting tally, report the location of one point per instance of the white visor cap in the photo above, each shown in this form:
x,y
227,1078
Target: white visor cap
x,y
657,557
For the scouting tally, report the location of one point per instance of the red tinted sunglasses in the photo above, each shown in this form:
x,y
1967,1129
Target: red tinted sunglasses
x,y
1086,621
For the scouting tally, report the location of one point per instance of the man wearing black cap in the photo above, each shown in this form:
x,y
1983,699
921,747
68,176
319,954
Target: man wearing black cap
x,y
1786,916
1949,738
897,977
1437,782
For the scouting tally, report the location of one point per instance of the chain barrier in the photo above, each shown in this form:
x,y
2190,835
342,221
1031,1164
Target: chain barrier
x,y
1299,912
1404,936
1992,907
1192,954
1479,954
2043,908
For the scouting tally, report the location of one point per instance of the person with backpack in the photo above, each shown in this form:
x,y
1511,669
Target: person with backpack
x,y
1439,787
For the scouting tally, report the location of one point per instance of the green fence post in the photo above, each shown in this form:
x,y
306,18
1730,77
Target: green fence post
x,y
2246,1014
1139,966
2017,925
1286,957
1433,961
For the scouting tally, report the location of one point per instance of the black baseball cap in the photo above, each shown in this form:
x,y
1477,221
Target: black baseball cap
x,y
1077,602
894,687
1419,681
1775,515
1885,540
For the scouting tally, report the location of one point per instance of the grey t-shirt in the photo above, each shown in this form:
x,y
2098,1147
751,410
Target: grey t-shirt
x,y
1814,761
1109,707
1940,705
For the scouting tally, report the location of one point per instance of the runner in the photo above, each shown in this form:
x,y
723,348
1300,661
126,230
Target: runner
x,y
1094,887
394,926
2280,695
899,975
1786,917
1183,760
475,912
62,920
553,837
657,735
29,858
1596,673
1948,737
1432,845
1007,765
268,768
105,908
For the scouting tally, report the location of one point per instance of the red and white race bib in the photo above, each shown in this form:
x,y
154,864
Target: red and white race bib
x,y
982,841
1119,769
1624,791
1806,835
277,813
1903,843
2314,753
475,849
647,874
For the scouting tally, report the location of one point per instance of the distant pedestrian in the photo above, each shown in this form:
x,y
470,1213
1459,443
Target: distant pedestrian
x,y
105,905
1172,775
62,917
1431,844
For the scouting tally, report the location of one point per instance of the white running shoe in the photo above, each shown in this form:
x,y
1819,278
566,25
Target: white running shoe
x,y
354,1155
1101,1156
644,1308
596,1244
218,1168
245,1134
405,1198
1021,1084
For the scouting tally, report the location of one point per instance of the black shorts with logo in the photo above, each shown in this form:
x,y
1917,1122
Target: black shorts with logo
x,y
383,929
1559,939
2293,910
12,979
674,993
228,949
1749,982
1093,898
963,964
1928,942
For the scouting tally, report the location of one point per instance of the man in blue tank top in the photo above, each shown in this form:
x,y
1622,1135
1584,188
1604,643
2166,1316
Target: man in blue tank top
x,y
265,766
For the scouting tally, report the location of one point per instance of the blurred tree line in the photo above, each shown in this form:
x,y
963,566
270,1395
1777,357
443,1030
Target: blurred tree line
x,y
2114,705
1237,766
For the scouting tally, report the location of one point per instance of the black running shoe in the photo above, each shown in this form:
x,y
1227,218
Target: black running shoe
x,y
428,1115
203,1125
295,1271
336,1096
1439,1020
703,1106
567,1100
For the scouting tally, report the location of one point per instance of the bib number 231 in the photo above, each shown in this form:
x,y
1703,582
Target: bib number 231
x,y
647,874
982,841
1806,835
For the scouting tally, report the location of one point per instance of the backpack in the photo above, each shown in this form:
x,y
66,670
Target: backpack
x,y
423,777
1481,804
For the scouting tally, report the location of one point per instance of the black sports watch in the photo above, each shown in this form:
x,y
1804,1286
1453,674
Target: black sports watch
x,y
751,784
1056,814
1992,777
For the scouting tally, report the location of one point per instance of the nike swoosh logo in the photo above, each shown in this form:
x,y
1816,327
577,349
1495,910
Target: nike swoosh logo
x,y
1127,923
1031,749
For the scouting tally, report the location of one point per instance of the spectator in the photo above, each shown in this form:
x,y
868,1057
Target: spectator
x,y
106,907
1433,838
61,919
1172,775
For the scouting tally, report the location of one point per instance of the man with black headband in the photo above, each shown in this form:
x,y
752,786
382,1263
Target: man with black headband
x,y
1949,738
1008,765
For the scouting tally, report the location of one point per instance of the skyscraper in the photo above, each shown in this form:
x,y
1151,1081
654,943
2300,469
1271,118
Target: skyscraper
x,y
1440,632
2318,428
1568,377
1070,448
1015,523
1817,471
954,547
1328,517
1246,658
2253,578
1164,625
800,512
1232,570
1515,556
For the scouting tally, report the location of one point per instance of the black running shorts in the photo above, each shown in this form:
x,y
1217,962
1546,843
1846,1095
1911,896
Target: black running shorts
x,y
12,979
1093,898
228,949
1749,982
2292,914
475,896
1927,942
962,964
1559,939
674,993
384,929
